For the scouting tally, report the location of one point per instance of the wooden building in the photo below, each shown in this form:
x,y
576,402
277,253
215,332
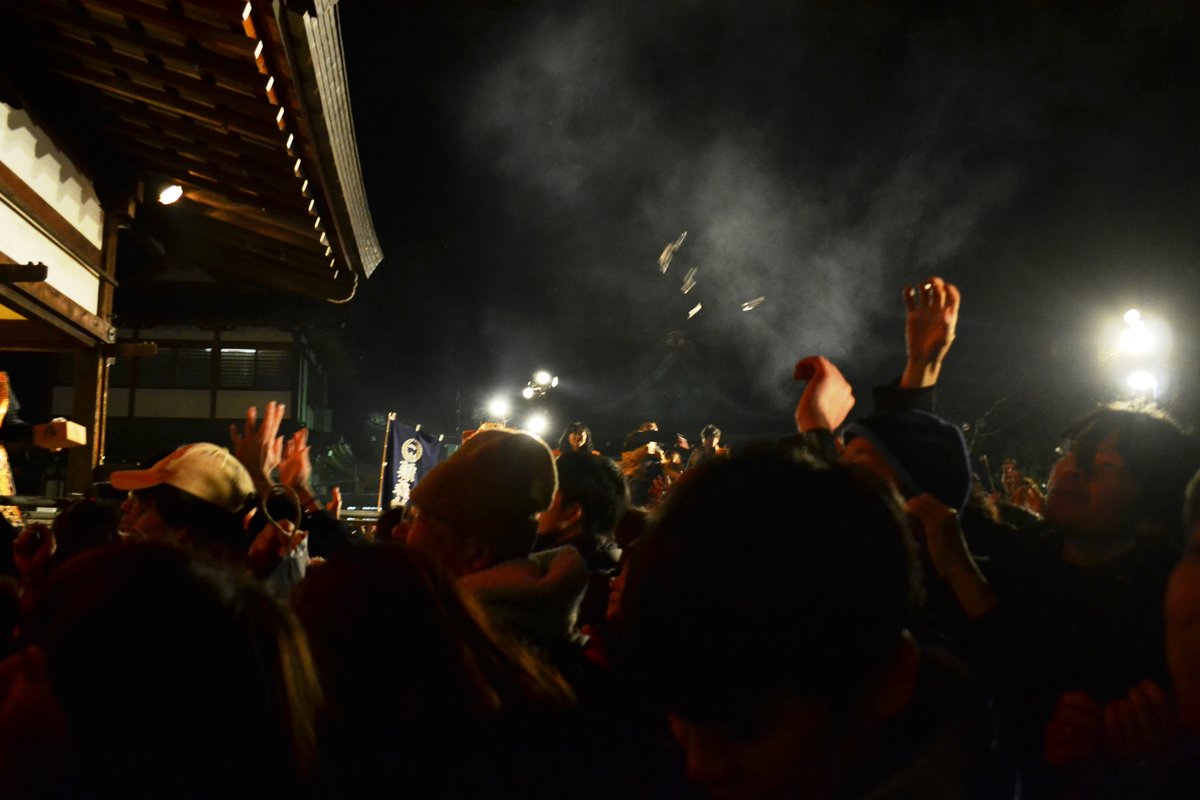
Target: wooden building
x,y
106,104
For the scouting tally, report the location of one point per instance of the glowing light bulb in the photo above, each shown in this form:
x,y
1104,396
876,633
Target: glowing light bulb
x,y
170,194
498,407
1142,381
1136,338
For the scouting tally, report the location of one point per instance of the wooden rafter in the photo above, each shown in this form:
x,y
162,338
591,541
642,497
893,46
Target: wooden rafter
x,y
222,97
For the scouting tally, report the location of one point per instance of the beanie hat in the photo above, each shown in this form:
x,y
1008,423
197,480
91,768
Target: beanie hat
x,y
927,453
492,489
207,471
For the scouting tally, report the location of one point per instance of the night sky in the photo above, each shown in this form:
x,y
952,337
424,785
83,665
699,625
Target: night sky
x,y
526,163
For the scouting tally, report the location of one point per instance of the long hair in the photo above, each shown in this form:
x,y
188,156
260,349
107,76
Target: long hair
x,y
564,441
417,681
1158,454
178,678
390,613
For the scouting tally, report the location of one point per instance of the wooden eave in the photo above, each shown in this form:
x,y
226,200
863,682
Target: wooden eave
x,y
36,316
222,97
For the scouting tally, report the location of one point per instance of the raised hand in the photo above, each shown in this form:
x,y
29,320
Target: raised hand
x,y
929,327
1141,723
334,506
274,542
938,525
258,446
828,397
33,548
295,468
1075,732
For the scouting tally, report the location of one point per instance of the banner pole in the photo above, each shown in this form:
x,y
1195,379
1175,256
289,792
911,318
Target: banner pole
x,y
387,440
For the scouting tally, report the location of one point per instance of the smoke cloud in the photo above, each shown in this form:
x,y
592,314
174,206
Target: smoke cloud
x,y
822,189
820,155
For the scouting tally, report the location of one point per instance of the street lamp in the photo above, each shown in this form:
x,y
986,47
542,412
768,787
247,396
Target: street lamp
x,y
1140,356
1143,381
541,383
498,408
536,423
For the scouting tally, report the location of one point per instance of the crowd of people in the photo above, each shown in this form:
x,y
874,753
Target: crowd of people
x,y
844,613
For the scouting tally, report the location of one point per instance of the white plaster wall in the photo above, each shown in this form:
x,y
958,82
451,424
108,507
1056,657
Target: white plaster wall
x,y
28,152
24,243
167,332
184,403
256,335
62,403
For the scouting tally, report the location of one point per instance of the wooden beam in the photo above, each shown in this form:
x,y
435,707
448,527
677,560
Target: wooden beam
x,y
300,229
214,197
11,272
26,335
228,36
216,177
321,287
42,301
65,19
183,77
183,235
239,116
90,409
117,113
17,297
243,96
218,246
30,204
260,224
262,126
272,171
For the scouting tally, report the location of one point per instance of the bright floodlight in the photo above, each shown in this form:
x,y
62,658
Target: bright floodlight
x,y
1132,316
170,194
536,423
1136,338
541,377
528,393
554,382
498,407
1142,382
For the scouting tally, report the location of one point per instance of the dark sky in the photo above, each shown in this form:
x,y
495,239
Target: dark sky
x,y
526,163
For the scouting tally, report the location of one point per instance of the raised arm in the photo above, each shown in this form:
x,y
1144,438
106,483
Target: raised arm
x,y
295,468
929,326
828,397
258,446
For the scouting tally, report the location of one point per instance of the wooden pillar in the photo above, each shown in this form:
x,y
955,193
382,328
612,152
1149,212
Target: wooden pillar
x,y
90,406
91,410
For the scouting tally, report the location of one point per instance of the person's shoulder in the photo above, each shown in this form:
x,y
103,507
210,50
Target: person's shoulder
x,y
951,739
1174,773
1013,553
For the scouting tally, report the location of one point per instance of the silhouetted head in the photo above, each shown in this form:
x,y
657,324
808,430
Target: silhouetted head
x,y
577,436
767,610
1122,473
174,678
592,497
